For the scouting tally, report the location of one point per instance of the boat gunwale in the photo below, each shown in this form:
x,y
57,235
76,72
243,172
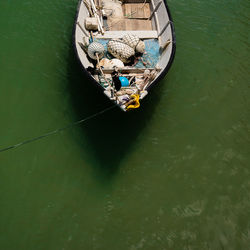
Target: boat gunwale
x,y
89,76
171,59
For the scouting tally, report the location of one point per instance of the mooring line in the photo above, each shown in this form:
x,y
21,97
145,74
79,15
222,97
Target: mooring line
x,y
56,131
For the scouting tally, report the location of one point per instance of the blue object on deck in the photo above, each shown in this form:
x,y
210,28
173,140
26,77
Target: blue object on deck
x,y
124,81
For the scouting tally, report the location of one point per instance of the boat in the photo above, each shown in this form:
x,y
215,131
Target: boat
x,y
125,47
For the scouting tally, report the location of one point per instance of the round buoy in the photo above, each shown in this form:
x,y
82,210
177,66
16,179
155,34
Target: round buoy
x,y
120,50
140,47
96,48
131,40
124,81
117,63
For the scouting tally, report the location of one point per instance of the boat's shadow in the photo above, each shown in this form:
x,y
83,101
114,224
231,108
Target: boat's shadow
x,y
111,136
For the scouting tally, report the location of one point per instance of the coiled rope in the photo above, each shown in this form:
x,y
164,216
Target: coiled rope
x,y
57,130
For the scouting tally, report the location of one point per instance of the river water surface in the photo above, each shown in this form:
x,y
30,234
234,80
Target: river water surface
x,y
174,174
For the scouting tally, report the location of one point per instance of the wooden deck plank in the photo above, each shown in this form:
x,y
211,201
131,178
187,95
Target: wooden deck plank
x,y
147,11
135,18
116,24
129,24
137,10
137,24
127,10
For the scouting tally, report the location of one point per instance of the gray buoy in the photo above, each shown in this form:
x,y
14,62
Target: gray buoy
x,y
96,48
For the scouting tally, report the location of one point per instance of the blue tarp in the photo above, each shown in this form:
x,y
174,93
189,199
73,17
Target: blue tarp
x,y
151,55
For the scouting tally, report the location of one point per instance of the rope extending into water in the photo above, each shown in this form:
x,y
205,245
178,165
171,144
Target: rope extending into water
x,y
57,130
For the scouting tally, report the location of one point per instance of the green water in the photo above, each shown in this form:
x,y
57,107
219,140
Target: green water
x,y
173,175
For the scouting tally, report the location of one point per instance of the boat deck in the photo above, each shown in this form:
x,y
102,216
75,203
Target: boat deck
x,y
136,17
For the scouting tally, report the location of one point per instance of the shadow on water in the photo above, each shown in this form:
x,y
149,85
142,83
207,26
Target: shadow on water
x,y
111,136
